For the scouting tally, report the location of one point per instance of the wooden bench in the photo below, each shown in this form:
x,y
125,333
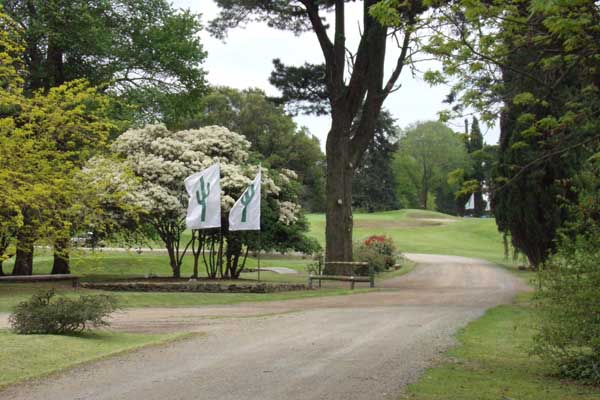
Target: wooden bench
x,y
41,278
345,278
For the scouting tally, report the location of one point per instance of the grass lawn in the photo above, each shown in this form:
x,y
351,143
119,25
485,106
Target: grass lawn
x,y
492,362
28,356
12,294
419,231
105,265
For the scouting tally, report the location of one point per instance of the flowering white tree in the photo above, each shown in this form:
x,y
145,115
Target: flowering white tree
x,y
163,159
109,200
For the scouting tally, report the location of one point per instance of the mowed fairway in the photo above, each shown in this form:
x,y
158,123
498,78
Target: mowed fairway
x,y
429,232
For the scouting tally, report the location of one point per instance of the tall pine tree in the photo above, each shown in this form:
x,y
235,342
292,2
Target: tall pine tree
x,y
373,183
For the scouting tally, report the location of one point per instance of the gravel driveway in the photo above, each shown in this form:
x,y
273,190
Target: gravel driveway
x,y
363,346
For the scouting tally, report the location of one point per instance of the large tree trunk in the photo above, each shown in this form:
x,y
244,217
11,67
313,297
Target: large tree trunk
x,y
24,255
61,257
339,203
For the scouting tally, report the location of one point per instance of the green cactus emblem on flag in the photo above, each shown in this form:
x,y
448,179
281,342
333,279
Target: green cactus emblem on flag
x,y
204,205
246,200
202,194
245,213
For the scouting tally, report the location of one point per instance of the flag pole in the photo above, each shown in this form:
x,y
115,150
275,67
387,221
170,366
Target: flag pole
x,y
259,230
258,258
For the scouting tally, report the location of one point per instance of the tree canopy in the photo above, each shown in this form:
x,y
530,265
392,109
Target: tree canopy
x,y
143,51
44,143
355,84
163,159
271,133
374,184
431,151
535,63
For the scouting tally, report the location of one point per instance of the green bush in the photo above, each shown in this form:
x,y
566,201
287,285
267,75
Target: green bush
x,y
568,301
316,266
378,251
46,314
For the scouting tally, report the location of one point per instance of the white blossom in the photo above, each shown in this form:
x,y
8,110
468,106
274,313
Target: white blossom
x,y
163,159
288,212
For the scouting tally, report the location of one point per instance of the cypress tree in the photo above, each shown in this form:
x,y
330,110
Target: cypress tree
x,y
475,151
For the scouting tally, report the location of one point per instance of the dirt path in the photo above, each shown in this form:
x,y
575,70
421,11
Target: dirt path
x,y
365,346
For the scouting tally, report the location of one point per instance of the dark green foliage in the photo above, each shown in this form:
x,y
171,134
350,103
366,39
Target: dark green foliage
x,y
274,236
475,149
277,236
303,89
532,173
569,308
356,86
373,184
568,300
143,51
317,266
378,251
46,314
271,133
476,178
527,196
536,64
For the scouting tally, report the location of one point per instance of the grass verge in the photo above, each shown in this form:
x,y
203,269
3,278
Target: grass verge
x,y
33,356
407,266
492,362
12,294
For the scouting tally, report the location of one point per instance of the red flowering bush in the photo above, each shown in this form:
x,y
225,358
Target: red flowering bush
x,y
378,251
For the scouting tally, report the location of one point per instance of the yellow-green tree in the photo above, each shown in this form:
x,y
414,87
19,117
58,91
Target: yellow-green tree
x,y
45,139
11,85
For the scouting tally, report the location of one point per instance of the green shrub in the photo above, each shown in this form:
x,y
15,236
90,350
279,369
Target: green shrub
x,y
316,267
44,313
378,251
568,301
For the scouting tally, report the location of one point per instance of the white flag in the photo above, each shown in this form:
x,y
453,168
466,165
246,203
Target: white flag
x,y
488,203
204,207
245,213
471,203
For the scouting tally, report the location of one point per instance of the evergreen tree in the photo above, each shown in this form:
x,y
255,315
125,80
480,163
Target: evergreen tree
x,y
356,85
535,63
373,184
476,154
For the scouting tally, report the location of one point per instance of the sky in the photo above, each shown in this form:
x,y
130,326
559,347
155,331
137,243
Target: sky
x,y
244,60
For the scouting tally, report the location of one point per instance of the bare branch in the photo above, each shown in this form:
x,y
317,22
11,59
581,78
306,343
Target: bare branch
x,y
399,65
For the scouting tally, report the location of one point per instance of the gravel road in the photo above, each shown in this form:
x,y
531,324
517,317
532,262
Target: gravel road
x,y
363,346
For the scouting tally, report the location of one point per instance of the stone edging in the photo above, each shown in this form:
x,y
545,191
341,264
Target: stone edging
x,y
198,287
